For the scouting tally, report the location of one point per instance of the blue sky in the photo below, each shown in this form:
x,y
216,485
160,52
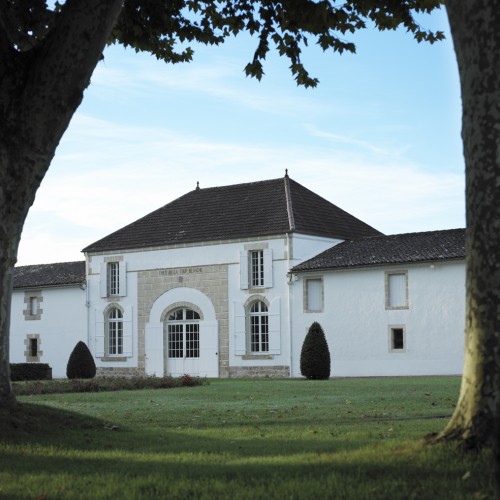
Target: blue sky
x,y
379,137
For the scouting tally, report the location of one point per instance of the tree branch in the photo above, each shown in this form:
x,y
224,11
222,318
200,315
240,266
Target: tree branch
x,y
59,69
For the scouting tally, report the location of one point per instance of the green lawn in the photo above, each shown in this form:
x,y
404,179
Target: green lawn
x,y
350,438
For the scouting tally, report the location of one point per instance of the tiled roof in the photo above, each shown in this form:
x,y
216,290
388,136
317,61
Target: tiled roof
x,y
61,273
393,249
254,209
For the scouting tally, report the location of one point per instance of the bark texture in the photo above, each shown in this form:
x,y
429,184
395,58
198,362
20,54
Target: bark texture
x,y
475,28
41,86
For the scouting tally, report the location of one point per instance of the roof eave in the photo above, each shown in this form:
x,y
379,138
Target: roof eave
x,y
375,264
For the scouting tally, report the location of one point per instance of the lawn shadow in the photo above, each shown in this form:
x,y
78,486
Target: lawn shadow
x,y
32,423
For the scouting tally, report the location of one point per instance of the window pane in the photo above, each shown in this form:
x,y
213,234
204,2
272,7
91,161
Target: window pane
x,y
33,348
397,338
115,332
259,327
397,290
193,341
176,315
175,341
257,267
314,295
183,334
33,306
113,278
190,314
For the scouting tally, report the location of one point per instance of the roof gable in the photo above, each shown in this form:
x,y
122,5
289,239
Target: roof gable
x,y
393,249
46,275
248,210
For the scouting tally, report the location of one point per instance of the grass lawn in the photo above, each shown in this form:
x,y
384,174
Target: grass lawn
x,y
349,438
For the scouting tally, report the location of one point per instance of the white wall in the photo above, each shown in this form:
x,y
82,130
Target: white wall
x,y
62,324
217,254
306,247
356,322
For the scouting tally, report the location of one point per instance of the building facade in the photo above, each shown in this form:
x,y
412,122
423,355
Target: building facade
x,y
224,282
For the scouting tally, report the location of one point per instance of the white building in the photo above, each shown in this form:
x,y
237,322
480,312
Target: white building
x,y
48,314
389,305
224,282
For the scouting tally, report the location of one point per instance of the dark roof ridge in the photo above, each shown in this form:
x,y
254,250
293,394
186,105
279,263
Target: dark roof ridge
x,y
240,184
51,264
432,231
289,207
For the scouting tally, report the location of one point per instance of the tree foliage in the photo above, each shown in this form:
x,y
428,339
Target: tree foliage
x,y
165,28
81,362
315,355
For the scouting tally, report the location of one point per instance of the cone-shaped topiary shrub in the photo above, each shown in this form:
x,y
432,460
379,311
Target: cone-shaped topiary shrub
x,y
81,363
315,356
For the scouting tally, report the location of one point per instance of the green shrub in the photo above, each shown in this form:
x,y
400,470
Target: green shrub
x,y
100,384
315,356
81,363
30,371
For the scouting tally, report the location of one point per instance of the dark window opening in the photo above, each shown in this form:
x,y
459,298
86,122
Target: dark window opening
x,y
397,339
33,348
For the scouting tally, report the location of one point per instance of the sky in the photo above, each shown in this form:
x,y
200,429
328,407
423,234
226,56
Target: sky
x,y
379,137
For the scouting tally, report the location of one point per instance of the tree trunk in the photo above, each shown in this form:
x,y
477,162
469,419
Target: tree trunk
x,y
476,36
40,89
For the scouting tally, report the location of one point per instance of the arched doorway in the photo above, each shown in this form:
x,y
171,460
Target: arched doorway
x,y
181,336
183,341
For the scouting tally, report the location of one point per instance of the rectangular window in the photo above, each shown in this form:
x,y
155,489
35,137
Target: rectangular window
x,y
193,340
396,293
397,339
259,334
113,278
175,341
33,302
33,306
33,348
314,295
257,268
115,338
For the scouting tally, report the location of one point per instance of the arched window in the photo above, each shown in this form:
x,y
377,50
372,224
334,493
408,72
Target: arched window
x,y
183,329
115,332
259,327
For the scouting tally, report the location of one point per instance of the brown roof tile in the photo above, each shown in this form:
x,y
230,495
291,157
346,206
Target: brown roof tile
x,y
254,209
46,275
393,249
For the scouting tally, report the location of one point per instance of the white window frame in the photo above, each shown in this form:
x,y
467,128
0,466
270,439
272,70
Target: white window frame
x,y
388,301
258,328
113,273
256,271
263,271
307,302
113,279
188,330
115,336
242,327
392,331
102,333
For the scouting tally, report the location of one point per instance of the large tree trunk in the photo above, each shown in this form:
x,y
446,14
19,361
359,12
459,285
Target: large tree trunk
x,y
40,89
475,28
